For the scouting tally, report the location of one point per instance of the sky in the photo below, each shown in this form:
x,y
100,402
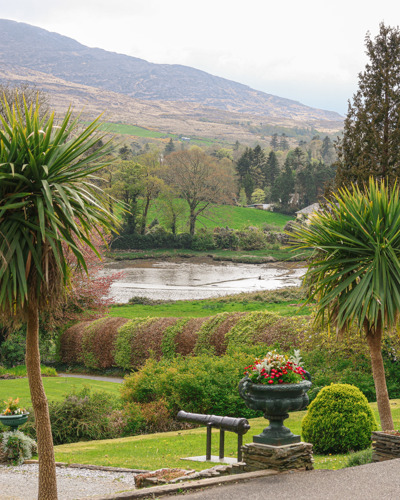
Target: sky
x,y
309,51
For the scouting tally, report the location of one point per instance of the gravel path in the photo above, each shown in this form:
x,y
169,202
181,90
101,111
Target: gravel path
x,y
117,380
20,483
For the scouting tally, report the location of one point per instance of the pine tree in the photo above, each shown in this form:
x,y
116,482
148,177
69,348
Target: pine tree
x,y
169,148
271,169
274,142
371,139
283,143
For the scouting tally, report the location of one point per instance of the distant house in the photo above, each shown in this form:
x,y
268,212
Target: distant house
x,y
308,212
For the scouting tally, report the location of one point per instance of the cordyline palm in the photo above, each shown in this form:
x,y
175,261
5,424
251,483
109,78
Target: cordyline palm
x,y
48,202
355,271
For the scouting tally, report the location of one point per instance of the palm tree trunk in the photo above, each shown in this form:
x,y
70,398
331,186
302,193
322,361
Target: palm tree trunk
x,y
47,466
374,340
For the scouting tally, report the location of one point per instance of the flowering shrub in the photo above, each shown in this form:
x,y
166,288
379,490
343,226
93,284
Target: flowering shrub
x,y
276,368
12,407
17,447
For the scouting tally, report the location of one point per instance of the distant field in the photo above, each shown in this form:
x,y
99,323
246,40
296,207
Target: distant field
x,y
124,129
134,130
227,215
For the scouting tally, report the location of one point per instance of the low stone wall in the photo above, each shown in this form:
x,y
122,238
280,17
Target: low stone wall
x,y
386,445
296,456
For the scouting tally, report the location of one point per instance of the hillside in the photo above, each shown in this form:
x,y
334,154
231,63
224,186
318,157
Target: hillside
x,y
127,86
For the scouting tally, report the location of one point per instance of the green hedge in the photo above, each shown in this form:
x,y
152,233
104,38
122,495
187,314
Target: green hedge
x,y
203,240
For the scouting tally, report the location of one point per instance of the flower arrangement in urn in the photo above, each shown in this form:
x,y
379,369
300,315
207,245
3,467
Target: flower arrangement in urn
x,y
276,385
276,368
12,415
12,408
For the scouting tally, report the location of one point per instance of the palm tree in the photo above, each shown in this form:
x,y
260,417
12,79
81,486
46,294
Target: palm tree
x,y
355,271
48,203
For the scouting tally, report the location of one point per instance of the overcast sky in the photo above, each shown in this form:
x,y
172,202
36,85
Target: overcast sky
x,y
310,51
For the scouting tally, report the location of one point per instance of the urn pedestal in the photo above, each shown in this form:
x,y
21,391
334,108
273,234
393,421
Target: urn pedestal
x,y
275,401
14,421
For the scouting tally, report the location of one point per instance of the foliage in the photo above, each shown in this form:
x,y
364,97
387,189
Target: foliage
x,y
201,384
168,345
355,273
82,416
52,183
17,447
125,341
339,420
200,180
20,371
362,457
371,138
276,368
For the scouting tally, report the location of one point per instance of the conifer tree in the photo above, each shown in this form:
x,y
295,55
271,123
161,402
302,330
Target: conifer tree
x,y
371,139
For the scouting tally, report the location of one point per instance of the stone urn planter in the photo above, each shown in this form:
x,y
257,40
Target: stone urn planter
x,y
14,421
275,401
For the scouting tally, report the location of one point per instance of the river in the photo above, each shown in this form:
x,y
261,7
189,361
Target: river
x,y
193,279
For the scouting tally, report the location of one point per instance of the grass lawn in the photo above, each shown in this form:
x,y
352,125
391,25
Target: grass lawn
x,y
154,451
56,388
206,307
226,215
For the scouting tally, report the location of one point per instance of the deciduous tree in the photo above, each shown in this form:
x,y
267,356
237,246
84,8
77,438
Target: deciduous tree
x,y
200,180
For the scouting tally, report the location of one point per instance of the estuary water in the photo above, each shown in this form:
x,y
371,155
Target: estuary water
x,y
190,280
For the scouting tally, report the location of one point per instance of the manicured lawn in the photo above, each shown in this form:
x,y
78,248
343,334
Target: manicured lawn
x,y
203,308
56,388
155,451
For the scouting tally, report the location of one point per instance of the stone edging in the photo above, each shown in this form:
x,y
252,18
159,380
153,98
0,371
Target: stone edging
x,y
167,489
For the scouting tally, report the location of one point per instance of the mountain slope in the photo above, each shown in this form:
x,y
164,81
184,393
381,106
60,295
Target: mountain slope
x,y
26,46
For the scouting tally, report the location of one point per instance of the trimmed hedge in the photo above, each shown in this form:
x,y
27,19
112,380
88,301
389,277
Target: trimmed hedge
x,y
110,342
118,342
339,420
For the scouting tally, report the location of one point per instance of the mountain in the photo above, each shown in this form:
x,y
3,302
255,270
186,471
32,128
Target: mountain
x,y
36,55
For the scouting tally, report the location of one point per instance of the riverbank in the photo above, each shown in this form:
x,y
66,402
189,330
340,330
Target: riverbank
x,y
280,254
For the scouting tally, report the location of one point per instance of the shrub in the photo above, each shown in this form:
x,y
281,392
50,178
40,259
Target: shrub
x,y
17,447
339,420
252,239
82,416
203,240
199,384
359,458
226,238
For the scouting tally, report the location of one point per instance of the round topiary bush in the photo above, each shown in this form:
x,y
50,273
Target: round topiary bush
x,y
339,420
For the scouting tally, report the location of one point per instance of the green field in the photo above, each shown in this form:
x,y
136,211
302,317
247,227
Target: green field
x,y
124,129
226,215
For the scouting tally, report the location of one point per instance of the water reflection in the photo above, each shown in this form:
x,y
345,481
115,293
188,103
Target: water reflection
x,y
188,280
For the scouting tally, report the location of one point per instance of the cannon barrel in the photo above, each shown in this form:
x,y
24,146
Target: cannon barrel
x,y
238,425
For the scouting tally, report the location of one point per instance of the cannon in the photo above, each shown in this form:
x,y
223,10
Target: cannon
x,y
238,425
